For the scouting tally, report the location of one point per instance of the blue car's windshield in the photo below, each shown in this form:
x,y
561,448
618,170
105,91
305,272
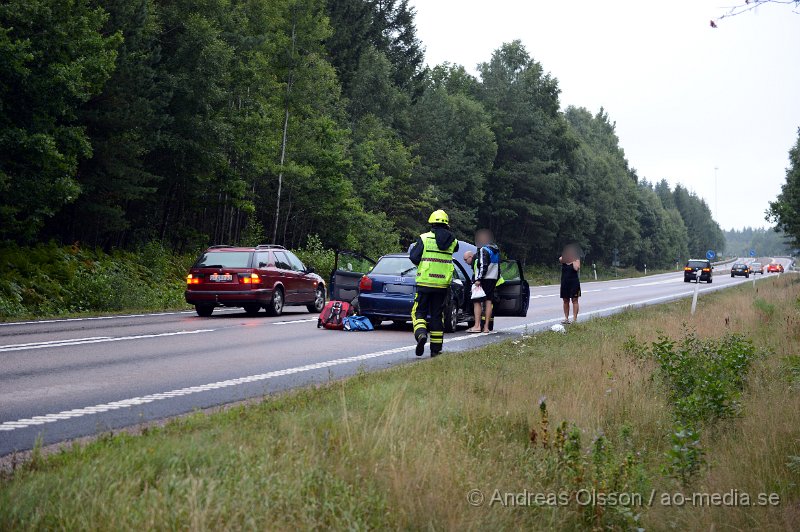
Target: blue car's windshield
x,y
394,266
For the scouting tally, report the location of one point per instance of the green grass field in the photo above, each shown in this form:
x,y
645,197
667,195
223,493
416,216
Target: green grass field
x,y
600,411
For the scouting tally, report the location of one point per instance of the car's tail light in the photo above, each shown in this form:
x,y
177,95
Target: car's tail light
x,y
687,269
253,278
365,284
191,279
706,269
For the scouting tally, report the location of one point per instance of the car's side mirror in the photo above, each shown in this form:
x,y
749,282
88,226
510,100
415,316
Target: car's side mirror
x,y
309,269
262,264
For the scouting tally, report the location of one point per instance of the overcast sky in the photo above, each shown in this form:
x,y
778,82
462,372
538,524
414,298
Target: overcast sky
x,y
686,98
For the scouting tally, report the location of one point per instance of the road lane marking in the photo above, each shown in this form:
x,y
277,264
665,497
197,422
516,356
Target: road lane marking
x,y
654,283
289,322
135,401
93,340
54,341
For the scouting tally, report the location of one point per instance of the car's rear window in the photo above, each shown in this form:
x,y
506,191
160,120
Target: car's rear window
x,y
697,264
394,266
224,259
738,265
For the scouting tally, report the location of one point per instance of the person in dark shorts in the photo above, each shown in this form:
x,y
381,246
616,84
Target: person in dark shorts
x,y
487,271
570,282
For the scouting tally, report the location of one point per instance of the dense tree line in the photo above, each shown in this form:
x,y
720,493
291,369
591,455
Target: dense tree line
x,y
127,121
785,210
765,242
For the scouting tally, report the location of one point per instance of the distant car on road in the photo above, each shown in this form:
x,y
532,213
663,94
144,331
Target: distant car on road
x,y
756,267
698,270
740,269
775,267
383,290
253,278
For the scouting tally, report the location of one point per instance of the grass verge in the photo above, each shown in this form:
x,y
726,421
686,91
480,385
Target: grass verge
x,y
549,275
545,418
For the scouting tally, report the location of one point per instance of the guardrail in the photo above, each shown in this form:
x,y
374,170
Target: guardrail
x,y
723,263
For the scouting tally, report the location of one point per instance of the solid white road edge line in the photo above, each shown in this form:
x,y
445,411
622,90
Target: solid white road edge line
x,y
135,401
112,317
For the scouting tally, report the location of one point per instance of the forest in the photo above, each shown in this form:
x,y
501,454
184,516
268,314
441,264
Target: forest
x,y
765,242
188,123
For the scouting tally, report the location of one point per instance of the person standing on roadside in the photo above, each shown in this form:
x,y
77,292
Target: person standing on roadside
x,y
432,253
487,272
570,281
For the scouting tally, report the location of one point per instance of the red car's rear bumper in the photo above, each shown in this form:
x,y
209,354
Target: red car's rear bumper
x,y
231,298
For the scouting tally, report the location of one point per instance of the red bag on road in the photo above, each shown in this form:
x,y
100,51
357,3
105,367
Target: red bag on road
x,y
333,315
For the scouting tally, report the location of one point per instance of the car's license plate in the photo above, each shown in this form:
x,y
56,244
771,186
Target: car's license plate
x,y
399,288
220,277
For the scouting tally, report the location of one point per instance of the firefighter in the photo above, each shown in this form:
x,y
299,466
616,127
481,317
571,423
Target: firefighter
x,y
432,253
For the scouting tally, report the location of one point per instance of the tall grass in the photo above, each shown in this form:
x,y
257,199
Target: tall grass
x,y
403,448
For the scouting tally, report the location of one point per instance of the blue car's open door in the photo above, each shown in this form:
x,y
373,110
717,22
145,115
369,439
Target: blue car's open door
x,y
348,269
513,297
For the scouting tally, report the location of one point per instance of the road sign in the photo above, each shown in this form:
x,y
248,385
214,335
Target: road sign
x,y
752,253
710,255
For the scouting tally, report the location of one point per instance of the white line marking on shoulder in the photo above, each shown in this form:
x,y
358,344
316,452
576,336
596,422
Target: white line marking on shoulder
x,y
94,340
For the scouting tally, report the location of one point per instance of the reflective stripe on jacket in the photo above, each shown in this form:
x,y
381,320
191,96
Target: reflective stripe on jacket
x,y
435,270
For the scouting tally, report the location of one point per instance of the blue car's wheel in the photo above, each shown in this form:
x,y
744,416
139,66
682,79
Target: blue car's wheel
x,y
450,317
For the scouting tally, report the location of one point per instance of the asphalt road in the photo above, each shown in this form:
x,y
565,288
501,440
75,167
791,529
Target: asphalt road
x,y
62,379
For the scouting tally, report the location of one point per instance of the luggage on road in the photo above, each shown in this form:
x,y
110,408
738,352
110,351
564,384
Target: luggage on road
x,y
333,315
357,323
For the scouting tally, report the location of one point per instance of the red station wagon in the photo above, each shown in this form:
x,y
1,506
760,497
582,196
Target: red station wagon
x,y
253,278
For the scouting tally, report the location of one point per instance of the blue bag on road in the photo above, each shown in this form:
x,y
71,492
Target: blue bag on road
x,y
357,323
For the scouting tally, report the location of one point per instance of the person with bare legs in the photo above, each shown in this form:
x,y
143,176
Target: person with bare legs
x,y
486,266
570,282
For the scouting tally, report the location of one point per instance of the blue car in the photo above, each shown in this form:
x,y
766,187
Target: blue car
x,y
383,290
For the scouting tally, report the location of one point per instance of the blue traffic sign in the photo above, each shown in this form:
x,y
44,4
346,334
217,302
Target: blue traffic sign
x,y
752,253
710,254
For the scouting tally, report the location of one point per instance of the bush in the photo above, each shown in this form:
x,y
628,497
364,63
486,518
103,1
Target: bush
x,y
705,378
48,279
315,255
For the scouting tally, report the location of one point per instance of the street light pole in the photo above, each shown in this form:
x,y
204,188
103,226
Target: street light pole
x,y
716,195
